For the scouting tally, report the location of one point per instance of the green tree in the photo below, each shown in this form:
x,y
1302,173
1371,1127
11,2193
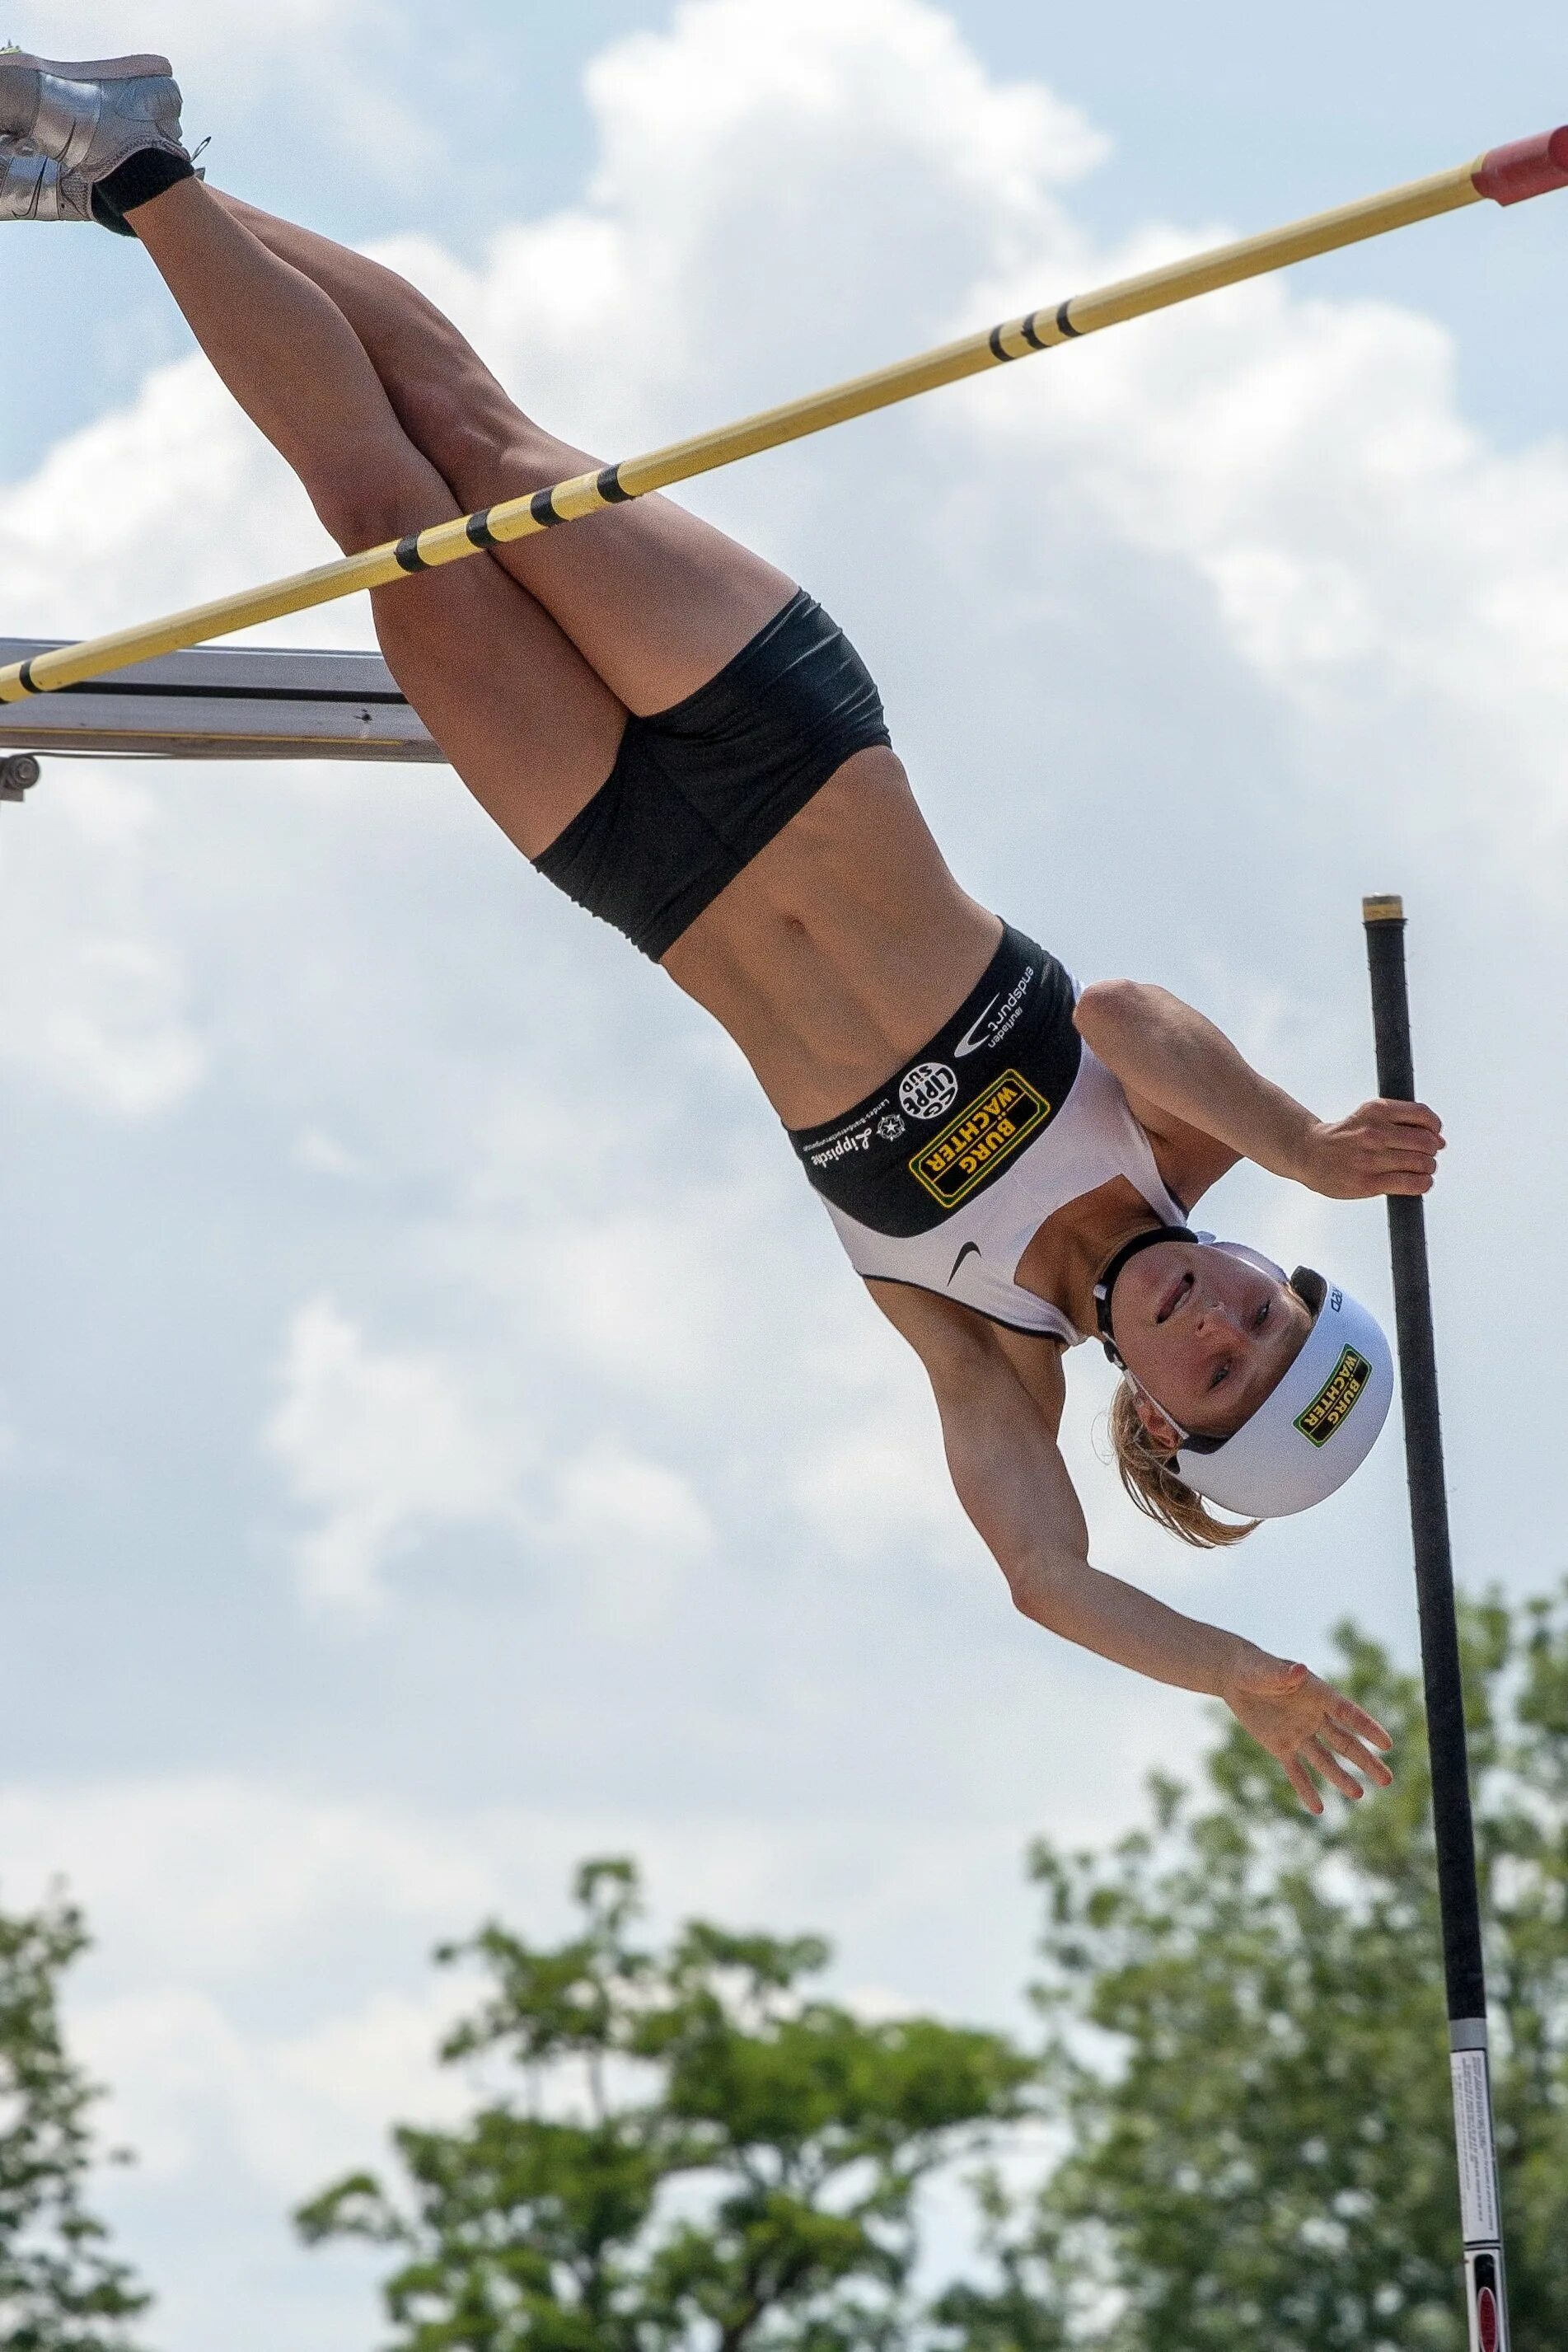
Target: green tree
x,y
694,2151
1249,2051
60,2289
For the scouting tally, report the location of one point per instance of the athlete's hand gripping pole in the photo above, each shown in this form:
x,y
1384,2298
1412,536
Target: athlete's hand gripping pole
x,y
1530,167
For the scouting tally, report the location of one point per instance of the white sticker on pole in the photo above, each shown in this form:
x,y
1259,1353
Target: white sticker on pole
x,y
1473,2136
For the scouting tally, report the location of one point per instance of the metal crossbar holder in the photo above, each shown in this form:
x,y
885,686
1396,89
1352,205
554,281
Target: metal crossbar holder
x,y
222,703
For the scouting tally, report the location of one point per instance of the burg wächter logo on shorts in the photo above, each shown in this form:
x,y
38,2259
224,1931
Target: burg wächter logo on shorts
x,y
1335,1401
995,1123
928,1089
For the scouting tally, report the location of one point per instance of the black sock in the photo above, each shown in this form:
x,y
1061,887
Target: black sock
x,y
135,182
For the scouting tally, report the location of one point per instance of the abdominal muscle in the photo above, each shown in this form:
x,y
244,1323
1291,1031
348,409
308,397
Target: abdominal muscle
x,y
844,945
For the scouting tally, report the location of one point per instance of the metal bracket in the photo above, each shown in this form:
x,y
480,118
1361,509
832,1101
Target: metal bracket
x,y
18,774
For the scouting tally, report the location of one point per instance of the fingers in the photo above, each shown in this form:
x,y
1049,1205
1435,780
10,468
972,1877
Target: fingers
x,y
1361,1757
1419,1116
1400,1141
1382,1148
1315,1754
1351,1717
1322,1759
1300,1779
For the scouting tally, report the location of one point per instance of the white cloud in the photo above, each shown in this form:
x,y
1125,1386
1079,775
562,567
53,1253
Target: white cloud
x,y
634,1525
192,2084
878,1487
382,1445
322,1155
93,1002
223,1877
200,505
1366,550
389,1446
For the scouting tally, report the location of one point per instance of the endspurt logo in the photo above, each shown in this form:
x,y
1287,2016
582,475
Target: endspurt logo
x,y
928,1090
985,1131
1336,1399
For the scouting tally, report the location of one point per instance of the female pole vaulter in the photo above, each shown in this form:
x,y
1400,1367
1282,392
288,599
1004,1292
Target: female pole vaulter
x,y
679,738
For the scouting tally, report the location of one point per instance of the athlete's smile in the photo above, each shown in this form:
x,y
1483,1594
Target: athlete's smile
x,y
1174,1297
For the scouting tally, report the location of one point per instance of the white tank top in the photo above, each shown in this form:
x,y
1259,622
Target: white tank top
x,y
973,1255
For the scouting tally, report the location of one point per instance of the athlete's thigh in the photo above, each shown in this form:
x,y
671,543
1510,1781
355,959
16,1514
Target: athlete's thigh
x,y
529,725
655,599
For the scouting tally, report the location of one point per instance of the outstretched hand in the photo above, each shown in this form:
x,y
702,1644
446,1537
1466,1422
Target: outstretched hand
x,y
1384,1147
1309,1726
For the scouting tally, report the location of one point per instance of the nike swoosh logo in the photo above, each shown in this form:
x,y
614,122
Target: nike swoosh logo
x,y
970,1249
968,1043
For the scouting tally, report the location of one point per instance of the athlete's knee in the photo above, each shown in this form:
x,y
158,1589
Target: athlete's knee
x,y
365,505
477,437
462,420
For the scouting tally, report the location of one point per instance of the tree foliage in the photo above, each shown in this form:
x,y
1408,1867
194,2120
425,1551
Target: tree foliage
x,y
60,2291
692,2149
1248,2048
1244,2072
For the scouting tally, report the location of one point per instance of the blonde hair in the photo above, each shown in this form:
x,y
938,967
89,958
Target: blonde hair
x,y
1150,1478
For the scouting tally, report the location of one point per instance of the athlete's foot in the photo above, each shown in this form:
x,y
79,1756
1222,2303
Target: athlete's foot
x,y
90,117
88,142
32,188
35,188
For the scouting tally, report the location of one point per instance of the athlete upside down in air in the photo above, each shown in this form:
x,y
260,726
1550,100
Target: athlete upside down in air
x,y
682,740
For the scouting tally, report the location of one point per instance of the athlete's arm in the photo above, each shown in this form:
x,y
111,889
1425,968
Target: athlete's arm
x,y
1001,1439
1009,1475
1177,1066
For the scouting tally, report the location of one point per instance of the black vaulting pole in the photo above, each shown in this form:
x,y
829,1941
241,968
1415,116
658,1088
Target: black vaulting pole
x,y
1458,1898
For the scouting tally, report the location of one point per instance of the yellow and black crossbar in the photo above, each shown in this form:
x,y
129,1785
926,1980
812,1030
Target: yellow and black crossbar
x,y
1530,167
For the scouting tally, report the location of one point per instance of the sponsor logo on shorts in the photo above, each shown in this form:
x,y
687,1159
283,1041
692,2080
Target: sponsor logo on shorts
x,y
987,1129
1336,1399
928,1090
849,1141
999,1018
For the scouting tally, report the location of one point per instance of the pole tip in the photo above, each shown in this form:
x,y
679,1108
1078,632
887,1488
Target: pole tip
x,y
1388,909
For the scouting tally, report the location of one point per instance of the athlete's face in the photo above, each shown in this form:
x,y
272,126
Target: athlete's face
x,y
1205,1334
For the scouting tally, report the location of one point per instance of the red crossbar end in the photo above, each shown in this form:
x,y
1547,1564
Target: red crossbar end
x,y
1530,167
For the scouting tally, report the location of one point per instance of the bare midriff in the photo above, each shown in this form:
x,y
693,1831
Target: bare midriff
x,y
843,947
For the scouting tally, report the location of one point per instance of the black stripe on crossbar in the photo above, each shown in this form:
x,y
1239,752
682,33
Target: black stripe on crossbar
x,y
998,351
407,556
1065,323
1030,333
541,506
609,487
479,530
24,678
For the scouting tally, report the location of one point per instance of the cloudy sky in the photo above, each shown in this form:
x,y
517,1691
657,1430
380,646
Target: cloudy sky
x,y
439,1437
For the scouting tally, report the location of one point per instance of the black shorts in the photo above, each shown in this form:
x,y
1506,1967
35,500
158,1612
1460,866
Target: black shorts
x,y
698,790
947,1124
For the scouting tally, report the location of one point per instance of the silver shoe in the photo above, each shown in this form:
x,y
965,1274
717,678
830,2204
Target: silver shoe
x,y
88,117
34,188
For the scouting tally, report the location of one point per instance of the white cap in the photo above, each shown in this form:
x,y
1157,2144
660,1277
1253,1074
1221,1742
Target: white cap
x,y
1316,1426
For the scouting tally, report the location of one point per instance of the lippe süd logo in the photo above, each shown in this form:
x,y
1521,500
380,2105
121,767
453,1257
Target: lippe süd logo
x,y
928,1090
